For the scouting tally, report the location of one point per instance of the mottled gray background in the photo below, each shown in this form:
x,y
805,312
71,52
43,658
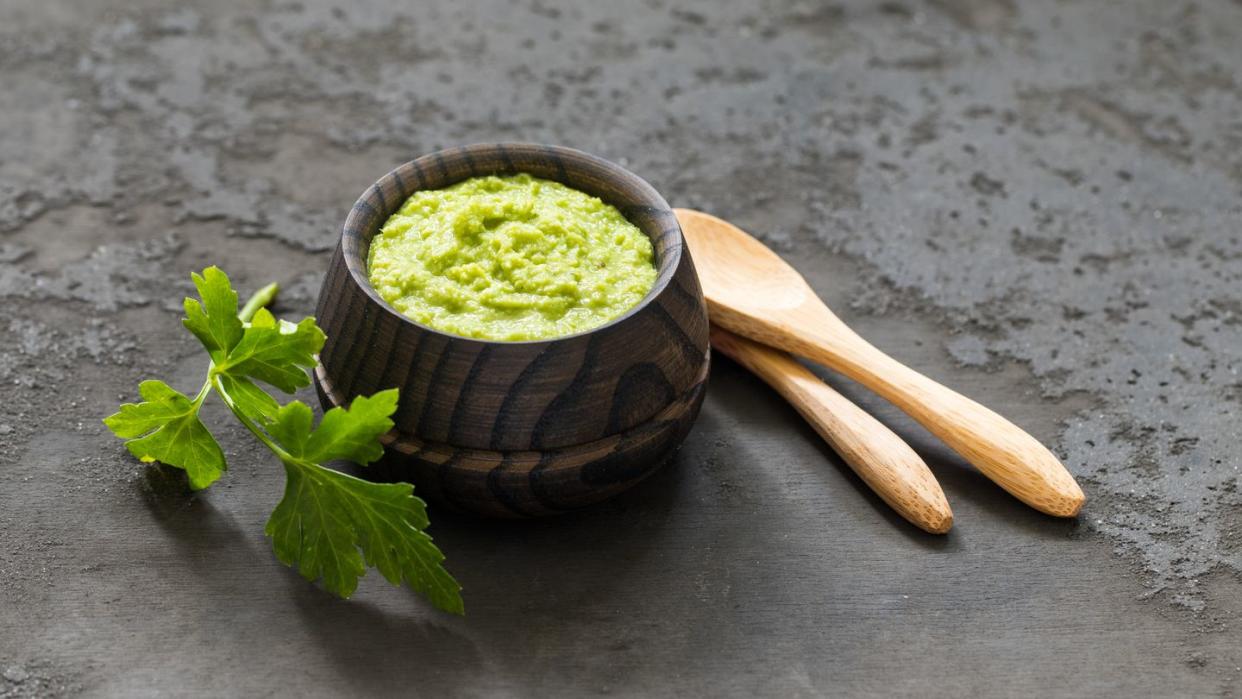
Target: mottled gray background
x,y
1037,203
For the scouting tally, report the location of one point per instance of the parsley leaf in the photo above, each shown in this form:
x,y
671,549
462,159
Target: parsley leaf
x,y
173,433
275,352
214,321
326,516
268,350
254,402
329,525
353,434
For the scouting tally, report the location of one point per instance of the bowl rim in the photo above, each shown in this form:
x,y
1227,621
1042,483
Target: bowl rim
x,y
650,200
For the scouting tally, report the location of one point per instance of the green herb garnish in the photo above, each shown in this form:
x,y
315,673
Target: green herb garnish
x,y
329,524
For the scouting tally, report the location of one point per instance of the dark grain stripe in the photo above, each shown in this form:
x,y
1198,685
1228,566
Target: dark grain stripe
x,y
692,303
344,343
470,164
633,211
444,478
496,486
397,360
438,156
669,240
556,160
684,296
361,344
568,393
458,432
541,489
437,377
406,405
349,244
641,385
516,392
326,309
691,354
507,159
329,303
621,466
379,353
379,194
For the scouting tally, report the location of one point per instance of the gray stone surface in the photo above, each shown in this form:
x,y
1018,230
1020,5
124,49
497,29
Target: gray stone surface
x,y
1037,203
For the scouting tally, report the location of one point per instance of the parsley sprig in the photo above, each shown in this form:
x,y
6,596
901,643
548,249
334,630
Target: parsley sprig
x,y
330,525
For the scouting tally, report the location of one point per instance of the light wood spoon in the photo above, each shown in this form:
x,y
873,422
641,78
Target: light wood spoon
x,y
885,462
751,291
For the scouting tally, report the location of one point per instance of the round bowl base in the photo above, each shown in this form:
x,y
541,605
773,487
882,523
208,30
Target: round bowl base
x,y
536,483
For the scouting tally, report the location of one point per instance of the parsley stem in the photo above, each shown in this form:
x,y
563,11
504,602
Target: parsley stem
x,y
258,300
214,381
202,393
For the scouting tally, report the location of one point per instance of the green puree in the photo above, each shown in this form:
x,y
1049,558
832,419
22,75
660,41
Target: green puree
x,y
510,258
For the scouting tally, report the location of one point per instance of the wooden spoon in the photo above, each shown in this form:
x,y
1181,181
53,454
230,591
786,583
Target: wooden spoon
x,y
878,456
751,291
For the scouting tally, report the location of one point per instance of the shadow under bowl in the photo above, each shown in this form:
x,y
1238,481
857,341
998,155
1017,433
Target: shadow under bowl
x,y
520,429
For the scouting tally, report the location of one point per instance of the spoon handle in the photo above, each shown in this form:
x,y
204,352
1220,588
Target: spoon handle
x,y
1013,459
886,463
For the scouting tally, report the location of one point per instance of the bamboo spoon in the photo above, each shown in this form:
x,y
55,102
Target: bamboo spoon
x,y
751,291
878,456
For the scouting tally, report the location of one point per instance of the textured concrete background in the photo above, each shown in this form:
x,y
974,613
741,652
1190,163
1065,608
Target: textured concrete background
x,y
1040,205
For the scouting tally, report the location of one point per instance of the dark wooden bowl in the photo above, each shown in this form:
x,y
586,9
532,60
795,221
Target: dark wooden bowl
x,y
519,429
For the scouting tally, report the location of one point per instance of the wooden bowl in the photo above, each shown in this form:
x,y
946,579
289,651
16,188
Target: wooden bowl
x,y
518,429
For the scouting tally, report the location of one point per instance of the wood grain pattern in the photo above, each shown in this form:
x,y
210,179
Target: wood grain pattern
x,y
882,459
533,483
751,291
500,402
